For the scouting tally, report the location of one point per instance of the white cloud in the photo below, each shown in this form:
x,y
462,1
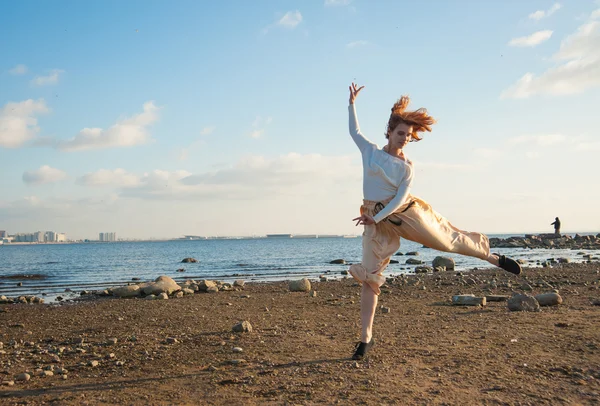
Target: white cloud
x,y
125,133
257,133
44,174
18,70
18,122
290,19
355,44
253,177
540,140
106,177
330,3
207,130
51,79
539,14
588,146
595,14
578,67
531,40
487,153
259,125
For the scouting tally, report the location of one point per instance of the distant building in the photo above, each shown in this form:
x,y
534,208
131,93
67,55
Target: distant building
x,y
61,237
3,234
107,237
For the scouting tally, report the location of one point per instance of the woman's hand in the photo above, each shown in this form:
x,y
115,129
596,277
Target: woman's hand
x,y
354,90
365,219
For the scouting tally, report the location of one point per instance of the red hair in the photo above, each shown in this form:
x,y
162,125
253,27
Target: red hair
x,y
419,119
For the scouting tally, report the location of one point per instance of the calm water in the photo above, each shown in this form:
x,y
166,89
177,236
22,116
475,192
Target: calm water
x,y
100,265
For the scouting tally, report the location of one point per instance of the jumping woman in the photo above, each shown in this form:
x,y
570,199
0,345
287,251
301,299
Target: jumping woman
x,y
389,212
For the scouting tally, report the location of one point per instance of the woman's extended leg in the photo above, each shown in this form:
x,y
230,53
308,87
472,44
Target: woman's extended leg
x,y
422,224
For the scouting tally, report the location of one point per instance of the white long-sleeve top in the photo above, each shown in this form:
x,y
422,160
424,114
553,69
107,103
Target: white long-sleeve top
x,y
384,176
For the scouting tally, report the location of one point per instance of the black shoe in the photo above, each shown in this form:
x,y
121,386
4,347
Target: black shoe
x,y
361,349
509,264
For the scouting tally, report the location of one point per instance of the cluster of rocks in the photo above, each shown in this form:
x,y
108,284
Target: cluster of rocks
x,y
517,302
21,299
589,242
165,287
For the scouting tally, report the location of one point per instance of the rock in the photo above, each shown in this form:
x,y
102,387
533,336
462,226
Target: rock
x,y
468,300
523,302
323,279
385,309
187,291
150,297
439,269
162,284
344,272
178,294
526,287
172,340
242,327
549,299
412,253
204,285
313,293
412,261
8,383
120,363
423,269
237,349
93,363
111,341
189,260
444,261
338,261
564,260
237,361
399,253
126,291
302,285
23,377
393,261
61,371
181,270
239,283
162,296
46,373
212,289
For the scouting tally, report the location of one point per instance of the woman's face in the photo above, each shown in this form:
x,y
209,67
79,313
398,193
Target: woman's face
x,y
401,136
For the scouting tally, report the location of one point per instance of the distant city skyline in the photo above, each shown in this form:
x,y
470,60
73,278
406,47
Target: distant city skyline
x,y
159,119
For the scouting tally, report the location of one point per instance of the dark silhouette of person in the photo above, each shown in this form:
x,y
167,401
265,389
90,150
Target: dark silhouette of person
x,y
556,225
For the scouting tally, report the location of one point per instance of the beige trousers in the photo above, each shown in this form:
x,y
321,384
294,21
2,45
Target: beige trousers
x,y
416,221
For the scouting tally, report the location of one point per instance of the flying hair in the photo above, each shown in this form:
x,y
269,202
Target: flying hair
x,y
419,119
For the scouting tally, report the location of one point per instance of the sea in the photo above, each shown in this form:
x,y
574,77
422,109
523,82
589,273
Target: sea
x,y
67,269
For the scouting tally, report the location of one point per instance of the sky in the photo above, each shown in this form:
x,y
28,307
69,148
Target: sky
x,y
157,119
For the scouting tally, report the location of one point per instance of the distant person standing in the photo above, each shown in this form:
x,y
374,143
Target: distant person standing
x,y
556,225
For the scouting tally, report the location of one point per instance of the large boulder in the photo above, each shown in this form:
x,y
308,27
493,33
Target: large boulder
x,y
162,284
189,260
127,291
205,286
302,285
549,299
523,303
412,261
445,262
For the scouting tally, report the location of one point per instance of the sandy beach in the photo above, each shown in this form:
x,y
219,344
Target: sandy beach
x,y
181,351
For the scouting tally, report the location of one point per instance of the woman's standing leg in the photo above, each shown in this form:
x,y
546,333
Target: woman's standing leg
x,y
379,244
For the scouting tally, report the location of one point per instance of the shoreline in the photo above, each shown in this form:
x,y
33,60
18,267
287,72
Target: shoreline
x,y
181,351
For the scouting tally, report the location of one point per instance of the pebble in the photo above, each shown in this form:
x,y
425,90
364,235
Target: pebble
x,y
110,356
8,383
64,377
61,371
237,361
23,377
385,309
120,363
242,327
172,340
237,349
93,363
46,373
313,293
112,341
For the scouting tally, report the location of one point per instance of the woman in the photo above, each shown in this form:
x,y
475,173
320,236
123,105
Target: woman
x,y
389,212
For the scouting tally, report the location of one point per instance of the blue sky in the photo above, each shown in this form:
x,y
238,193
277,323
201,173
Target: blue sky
x,y
158,119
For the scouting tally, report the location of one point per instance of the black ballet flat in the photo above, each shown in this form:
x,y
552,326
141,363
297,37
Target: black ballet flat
x,y
362,349
509,264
